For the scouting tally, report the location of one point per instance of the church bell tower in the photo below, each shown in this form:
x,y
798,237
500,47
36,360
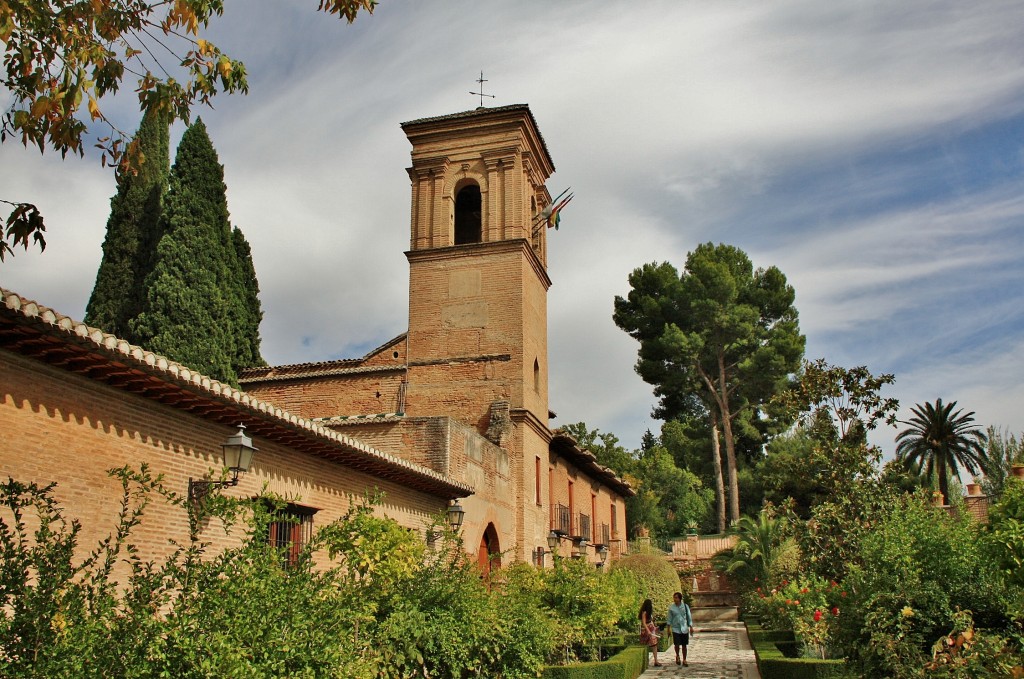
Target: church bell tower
x,y
478,282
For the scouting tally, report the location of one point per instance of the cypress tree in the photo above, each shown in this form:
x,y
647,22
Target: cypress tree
x,y
192,293
247,328
133,231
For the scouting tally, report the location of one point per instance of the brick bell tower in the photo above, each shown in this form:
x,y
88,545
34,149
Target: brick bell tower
x,y
478,282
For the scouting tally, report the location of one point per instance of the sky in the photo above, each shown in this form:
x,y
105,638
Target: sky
x,y
873,151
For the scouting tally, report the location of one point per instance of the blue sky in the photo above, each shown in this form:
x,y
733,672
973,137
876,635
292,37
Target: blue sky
x,y
873,151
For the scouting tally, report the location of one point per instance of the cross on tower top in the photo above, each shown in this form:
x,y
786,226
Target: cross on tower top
x,y
481,94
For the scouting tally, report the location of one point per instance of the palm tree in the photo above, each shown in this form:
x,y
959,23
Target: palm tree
x,y
757,545
940,441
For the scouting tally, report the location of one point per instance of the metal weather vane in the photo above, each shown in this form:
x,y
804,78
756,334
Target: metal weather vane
x,y
481,94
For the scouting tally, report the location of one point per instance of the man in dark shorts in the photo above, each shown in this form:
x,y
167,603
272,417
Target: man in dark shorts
x,y
681,621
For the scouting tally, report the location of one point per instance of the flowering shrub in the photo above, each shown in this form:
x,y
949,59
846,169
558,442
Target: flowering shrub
x,y
970,652
809,606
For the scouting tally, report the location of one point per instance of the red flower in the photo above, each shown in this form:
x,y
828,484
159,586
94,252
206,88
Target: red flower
x,y
804,590
835,610
842,594
817,616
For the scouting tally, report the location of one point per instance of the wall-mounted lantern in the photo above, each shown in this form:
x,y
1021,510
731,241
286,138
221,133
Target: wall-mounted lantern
x,y
238,454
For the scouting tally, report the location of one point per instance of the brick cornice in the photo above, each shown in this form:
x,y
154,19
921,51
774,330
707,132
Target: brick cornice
x,y
479,249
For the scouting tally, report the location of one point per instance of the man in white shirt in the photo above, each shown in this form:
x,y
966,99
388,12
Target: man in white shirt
x,y
681,621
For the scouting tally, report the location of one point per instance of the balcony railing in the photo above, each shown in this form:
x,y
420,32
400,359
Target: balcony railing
x,y
561,520
583,527
603,534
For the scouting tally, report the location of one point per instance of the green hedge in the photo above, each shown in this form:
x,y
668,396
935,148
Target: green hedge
x,y
772,663
627,664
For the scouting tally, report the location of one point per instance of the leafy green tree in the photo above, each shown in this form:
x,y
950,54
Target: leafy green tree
x,y
721,330
840,405
1004,537
194,307
1004,450
680,497
62,57
941,441
604,445
133,231
792,471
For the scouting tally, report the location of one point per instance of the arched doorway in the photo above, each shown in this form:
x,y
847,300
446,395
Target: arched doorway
x,y
489,554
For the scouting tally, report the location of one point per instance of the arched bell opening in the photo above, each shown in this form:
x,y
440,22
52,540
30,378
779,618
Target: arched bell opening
x,y
468,221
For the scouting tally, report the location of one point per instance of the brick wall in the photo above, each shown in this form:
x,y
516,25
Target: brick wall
x,y
64,428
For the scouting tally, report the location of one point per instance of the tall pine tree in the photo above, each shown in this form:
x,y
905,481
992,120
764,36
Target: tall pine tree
x,y
201,306
133,231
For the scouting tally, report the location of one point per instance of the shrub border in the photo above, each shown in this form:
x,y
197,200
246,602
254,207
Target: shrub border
x,y
629,663
772,664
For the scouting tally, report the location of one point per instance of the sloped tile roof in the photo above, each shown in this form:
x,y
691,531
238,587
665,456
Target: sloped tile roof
x,y
342,366
36,331
565,444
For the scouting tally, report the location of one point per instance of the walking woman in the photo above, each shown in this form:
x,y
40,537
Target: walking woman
x,y
648,630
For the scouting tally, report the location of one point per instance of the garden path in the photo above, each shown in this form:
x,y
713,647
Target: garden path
x,y
721,651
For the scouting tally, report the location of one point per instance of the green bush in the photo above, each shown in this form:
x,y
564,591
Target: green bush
x,y
652,577
918,565
774,663
363,599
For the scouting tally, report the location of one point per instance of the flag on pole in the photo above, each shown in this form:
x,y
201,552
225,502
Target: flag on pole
x,y
556,212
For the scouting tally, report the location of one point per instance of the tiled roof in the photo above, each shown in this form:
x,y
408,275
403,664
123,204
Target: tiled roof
x,y
340,420
343,366
565,444
304,370
36,331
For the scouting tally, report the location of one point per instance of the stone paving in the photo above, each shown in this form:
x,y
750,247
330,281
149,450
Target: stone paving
x,y
718,651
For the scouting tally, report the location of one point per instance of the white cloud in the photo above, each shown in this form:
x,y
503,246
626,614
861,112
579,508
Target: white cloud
x,y
849,144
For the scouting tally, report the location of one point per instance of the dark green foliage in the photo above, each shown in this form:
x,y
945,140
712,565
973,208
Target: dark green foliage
x,y
201,307
250,313
133,231
720,338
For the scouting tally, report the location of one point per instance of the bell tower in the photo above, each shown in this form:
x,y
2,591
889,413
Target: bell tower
x,y
478,282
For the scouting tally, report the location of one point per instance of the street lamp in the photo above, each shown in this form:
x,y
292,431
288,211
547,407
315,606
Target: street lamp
x,y
455,515
238,454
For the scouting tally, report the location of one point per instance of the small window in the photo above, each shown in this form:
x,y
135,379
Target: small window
x,y
291,528
468,224
537,481
536,376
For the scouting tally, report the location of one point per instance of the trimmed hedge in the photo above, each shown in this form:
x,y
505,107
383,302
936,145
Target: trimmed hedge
x,y
626,664
772,663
